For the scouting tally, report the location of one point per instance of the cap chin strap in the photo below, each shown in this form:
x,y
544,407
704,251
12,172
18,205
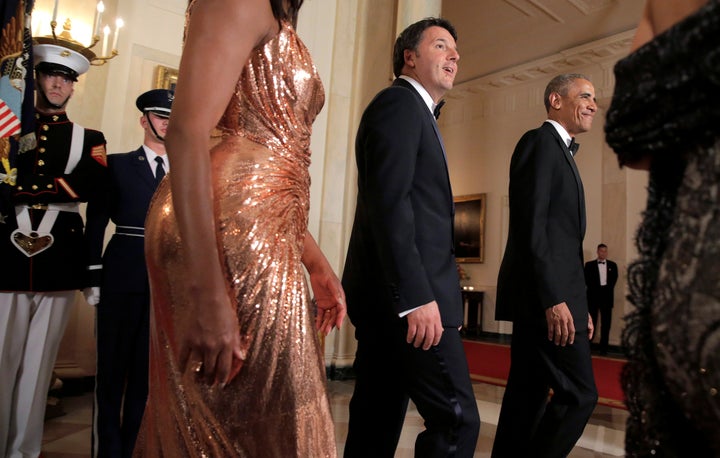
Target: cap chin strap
x,y
48,102
152,127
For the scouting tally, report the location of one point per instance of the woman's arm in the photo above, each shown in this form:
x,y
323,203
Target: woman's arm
x,y
326,287
220,36
660,15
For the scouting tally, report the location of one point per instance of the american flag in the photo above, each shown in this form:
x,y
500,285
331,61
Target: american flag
x,y
9,122
17,123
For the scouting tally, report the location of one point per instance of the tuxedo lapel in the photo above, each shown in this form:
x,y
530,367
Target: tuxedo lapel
x,y
430,119
571,162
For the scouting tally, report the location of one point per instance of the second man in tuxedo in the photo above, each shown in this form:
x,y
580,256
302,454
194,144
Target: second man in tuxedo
x,y
601,274
541,286
123,311
400,275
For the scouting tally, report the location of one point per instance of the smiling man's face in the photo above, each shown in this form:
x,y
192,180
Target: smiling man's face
x,y
575,110
434,63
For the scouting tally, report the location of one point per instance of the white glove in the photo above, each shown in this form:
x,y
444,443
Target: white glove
x,y
92,295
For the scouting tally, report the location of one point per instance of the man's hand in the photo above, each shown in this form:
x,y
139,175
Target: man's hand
x,y
92,295
424,326
561,328
591,327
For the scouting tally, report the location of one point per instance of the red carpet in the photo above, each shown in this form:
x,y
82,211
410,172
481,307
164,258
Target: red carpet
x,y
490,363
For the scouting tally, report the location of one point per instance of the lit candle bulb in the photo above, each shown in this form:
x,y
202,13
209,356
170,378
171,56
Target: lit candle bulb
x,y
118,25
98,18
36,27
106,34
55,10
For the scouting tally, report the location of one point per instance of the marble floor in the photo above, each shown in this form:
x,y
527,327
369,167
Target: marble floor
x,y
68,435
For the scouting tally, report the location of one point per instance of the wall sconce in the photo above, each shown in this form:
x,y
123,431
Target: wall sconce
x,y
66,39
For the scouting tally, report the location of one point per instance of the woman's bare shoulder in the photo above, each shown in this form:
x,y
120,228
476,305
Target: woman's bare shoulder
x,y
251,20
663,14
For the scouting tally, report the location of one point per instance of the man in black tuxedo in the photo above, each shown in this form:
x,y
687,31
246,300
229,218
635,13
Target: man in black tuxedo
x,y
541,286
400,275
601,275
123,298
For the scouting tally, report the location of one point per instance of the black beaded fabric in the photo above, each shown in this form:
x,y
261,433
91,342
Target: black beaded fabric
x,y
666,92
666,105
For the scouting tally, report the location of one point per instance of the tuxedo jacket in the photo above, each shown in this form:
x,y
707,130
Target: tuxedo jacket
x,y
400,254
127,197
543,261
52,174
595,293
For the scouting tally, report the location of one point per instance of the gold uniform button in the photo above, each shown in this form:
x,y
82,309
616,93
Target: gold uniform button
x,y
41,150
43,138
41,162
55,117
49,186
34,187
19,188
45,127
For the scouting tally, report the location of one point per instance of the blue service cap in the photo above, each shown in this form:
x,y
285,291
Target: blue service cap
x,y
158,101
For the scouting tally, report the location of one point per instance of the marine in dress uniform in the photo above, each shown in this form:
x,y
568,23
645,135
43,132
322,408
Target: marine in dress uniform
x,y
42,247
123,311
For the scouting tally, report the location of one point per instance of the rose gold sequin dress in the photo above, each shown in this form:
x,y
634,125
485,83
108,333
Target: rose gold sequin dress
x,y
277,405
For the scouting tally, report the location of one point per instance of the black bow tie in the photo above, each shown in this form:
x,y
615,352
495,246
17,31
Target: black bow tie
x,y
601,262
573,146
436,111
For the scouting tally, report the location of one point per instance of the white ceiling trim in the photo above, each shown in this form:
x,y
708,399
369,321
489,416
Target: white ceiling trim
x,y
595,52
547,11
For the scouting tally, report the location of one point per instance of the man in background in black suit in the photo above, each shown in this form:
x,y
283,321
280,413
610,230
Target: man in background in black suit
x,y
400,276
541,286
123,299
601,275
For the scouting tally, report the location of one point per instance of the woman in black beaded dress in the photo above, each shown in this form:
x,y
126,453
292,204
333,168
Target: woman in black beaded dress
x,y
665,117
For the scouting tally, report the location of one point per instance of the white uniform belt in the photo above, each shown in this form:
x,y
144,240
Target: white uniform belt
x,y
61,207
133,231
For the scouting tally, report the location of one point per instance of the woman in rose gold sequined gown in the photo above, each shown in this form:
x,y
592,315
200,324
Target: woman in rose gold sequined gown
x,y
236,368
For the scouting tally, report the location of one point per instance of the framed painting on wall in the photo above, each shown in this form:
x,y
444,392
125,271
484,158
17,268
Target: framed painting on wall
x,y
165,77
470,228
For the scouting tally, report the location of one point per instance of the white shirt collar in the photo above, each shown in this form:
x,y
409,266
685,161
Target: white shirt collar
x,y
423,92
151,155
561,130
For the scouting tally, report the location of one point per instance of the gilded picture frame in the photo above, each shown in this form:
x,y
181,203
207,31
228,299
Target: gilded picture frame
x,y
165,77
470,228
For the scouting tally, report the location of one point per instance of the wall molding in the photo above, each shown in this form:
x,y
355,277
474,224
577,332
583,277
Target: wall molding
x,y
598,52
521,87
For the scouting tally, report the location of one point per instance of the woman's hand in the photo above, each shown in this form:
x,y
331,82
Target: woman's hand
x,y
329,299
209,340
328,291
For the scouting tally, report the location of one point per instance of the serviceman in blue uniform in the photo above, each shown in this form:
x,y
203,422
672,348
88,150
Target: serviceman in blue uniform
x,y
123,311
43,258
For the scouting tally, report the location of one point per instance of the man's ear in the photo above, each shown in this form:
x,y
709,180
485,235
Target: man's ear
x,y
409,56
143,121
555,100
